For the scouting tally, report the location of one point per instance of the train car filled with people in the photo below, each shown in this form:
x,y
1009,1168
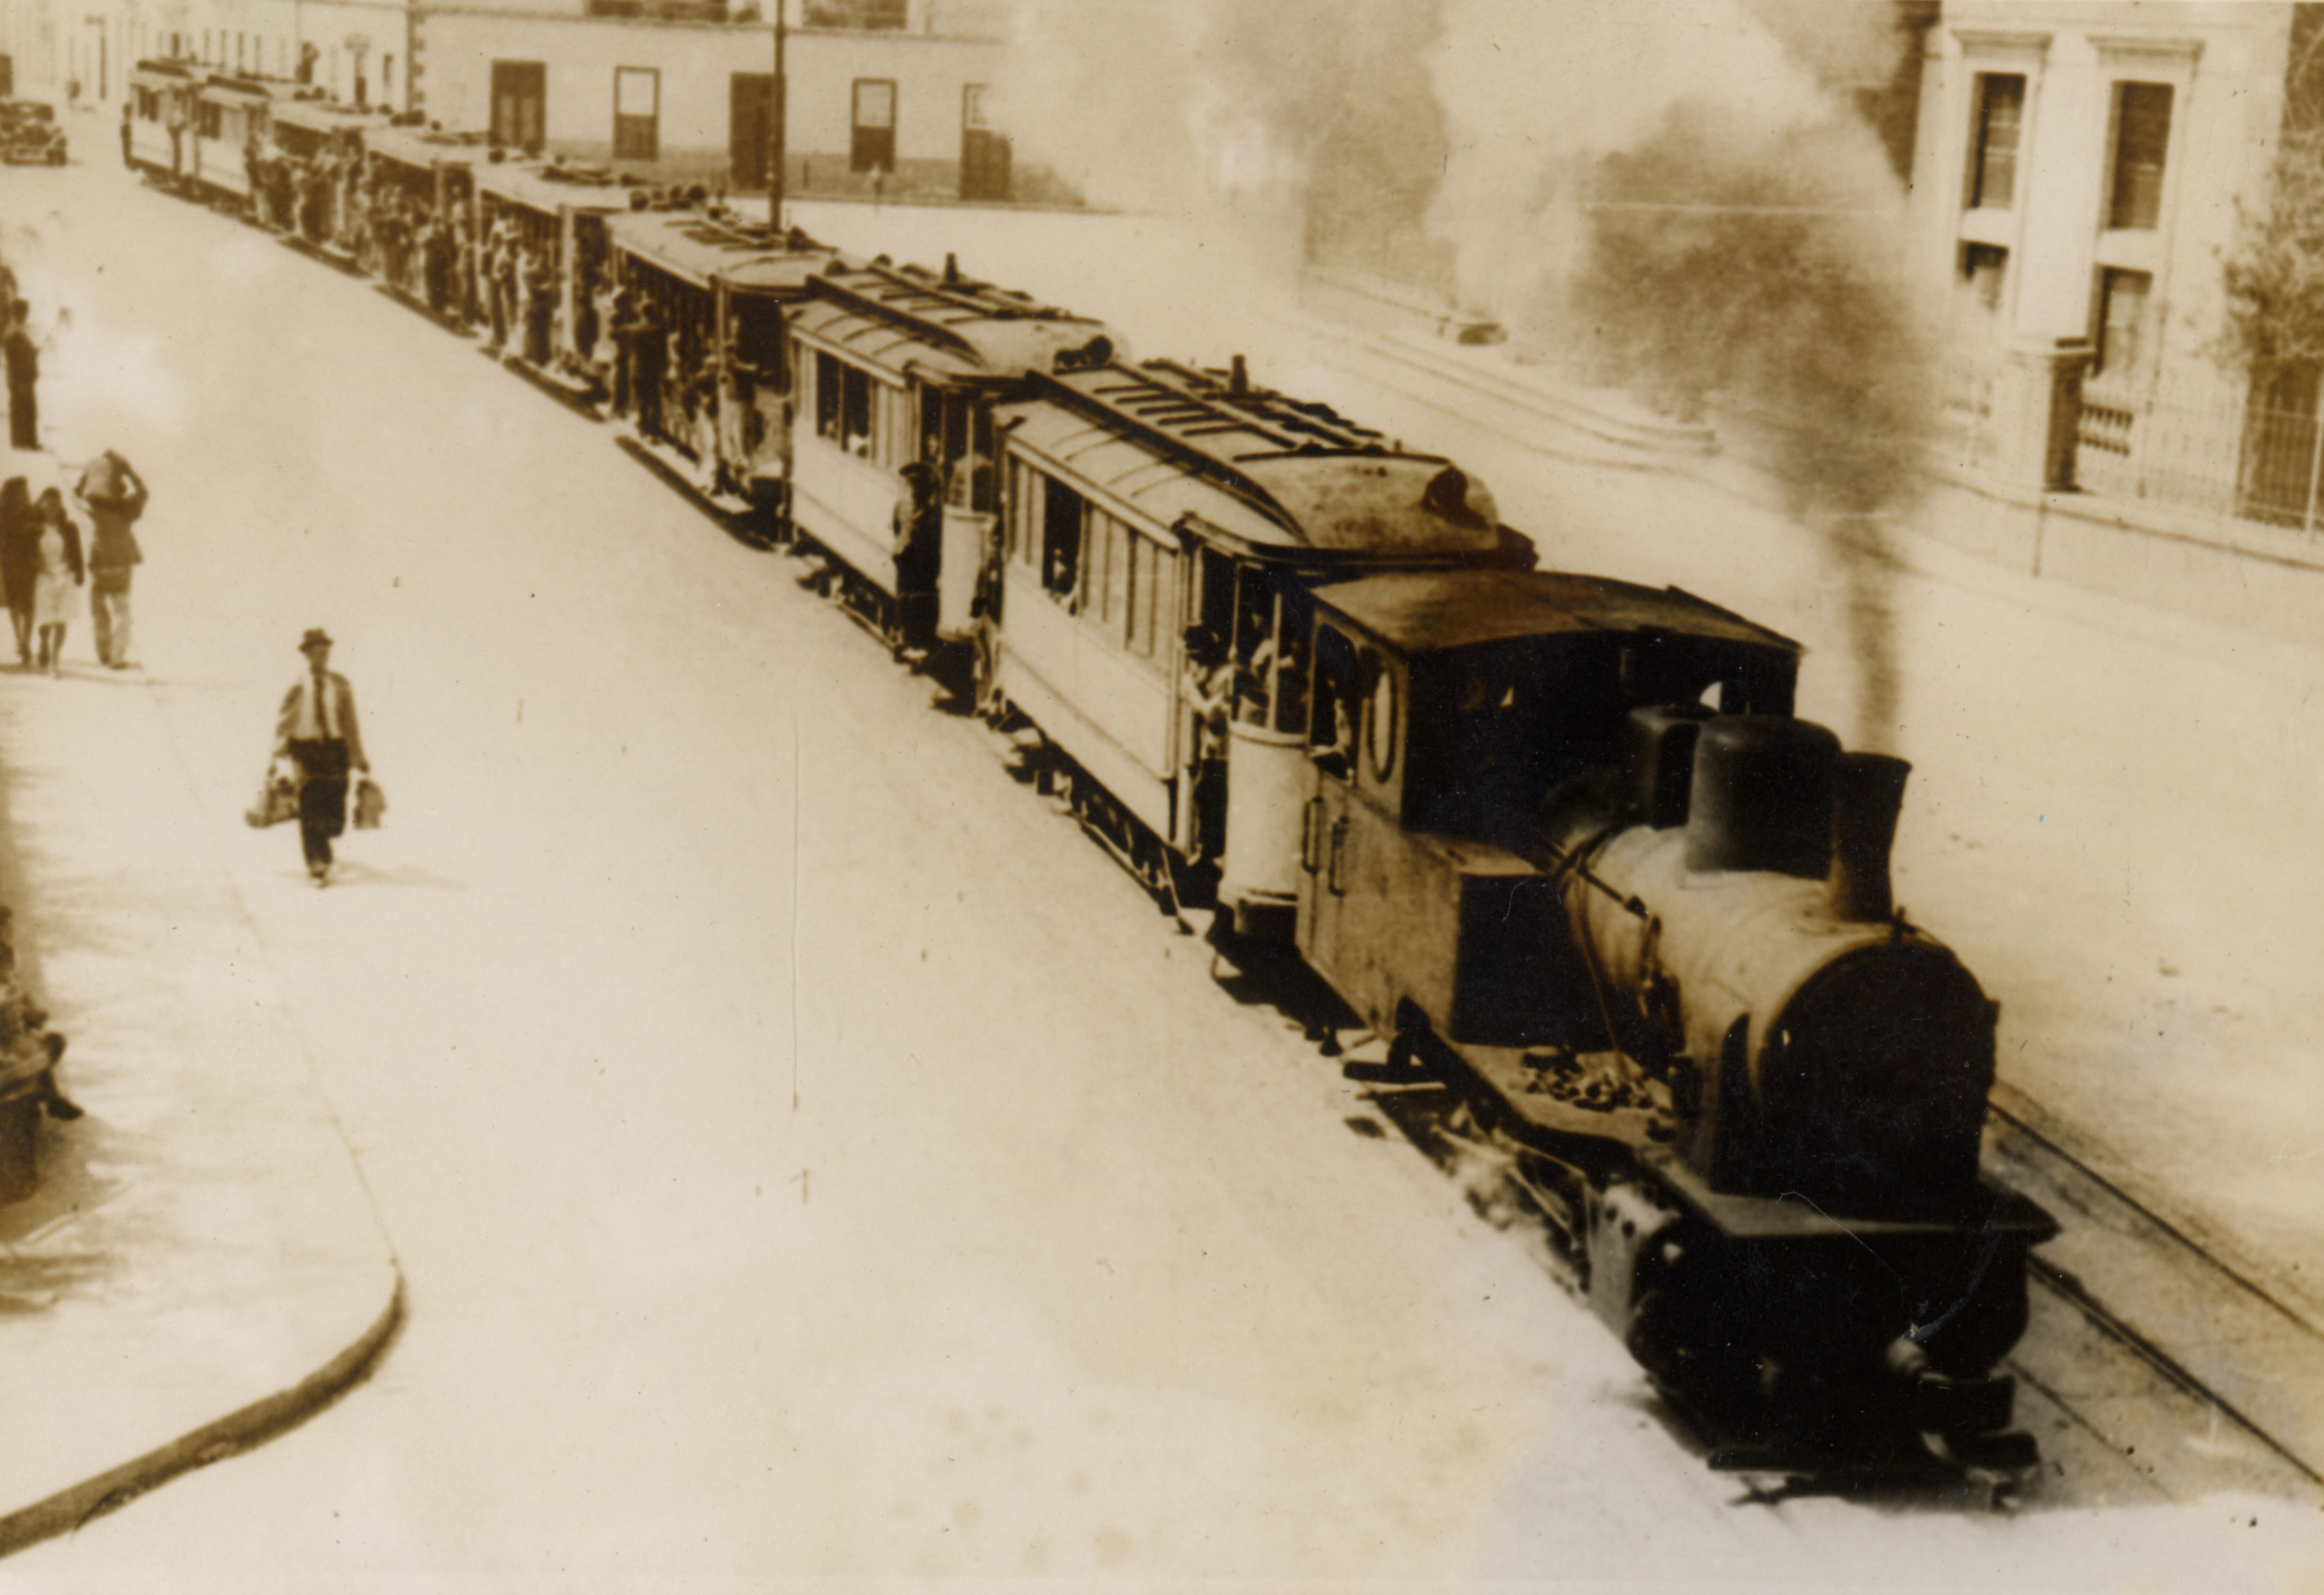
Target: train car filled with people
x,y
163,96
690,338
540,263
896,372
422,191
319,148
1614,923
1149,609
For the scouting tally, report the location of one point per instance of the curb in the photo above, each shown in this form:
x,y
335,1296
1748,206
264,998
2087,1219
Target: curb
x,y
240,1431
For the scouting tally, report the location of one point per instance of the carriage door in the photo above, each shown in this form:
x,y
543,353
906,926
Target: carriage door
x,y
1269,781
1353,741
956,437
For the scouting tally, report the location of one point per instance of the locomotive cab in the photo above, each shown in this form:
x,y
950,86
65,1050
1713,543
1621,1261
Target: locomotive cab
x,y
1449,710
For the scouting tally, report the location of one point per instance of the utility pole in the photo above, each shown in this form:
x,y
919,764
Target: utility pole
x,y
776,118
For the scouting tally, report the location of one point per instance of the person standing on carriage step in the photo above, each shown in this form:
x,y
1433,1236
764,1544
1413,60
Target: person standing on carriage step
x,y
22,357
113,496
918,553
318,731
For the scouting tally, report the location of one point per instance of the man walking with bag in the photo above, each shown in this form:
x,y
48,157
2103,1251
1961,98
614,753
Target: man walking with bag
x,y
114,496
319,733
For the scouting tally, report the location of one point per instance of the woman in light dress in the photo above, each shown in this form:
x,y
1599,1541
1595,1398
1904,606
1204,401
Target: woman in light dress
x,y
59,572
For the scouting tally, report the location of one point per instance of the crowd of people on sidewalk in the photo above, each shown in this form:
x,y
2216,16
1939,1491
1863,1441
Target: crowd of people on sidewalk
x,y
63,531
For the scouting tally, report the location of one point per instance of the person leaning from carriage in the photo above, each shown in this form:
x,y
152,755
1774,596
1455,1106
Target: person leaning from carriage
x,y
918,552
253,171
539,308
1210,694
113,496
319,734
176,114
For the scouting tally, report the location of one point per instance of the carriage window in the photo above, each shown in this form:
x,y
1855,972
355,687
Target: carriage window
x,y
1164,601
1254,645
1061,540
826,397
1339,698
855,409
1119,541
1297,619
895,434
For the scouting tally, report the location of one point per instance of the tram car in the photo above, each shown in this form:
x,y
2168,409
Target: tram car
x,y
539,259
163,96
317,155
421,194
1564,840
895,373
1166,530
691,327
29,134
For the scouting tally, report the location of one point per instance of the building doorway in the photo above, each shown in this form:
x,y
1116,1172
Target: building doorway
x,y
984,154
750,114
519,104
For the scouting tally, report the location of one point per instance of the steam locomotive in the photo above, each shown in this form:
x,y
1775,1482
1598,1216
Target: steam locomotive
x,y
1560,840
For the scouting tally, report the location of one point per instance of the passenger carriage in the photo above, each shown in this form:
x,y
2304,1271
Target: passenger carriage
x,y
423,178
323,142
163,96
696,305
897,371
1166,528
539,252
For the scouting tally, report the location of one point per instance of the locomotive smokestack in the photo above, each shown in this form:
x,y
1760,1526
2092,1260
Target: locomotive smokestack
x,y
1868,793
1239,377
952,267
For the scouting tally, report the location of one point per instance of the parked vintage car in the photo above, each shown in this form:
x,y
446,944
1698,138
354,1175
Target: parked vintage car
x,y
29,134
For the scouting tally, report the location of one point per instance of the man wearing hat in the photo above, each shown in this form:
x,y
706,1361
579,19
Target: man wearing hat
x,y
318,731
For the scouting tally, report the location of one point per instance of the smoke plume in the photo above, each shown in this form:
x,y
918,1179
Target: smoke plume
x,y
1682,198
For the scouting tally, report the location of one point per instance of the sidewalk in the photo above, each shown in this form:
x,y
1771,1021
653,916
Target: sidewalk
x,y
202,1266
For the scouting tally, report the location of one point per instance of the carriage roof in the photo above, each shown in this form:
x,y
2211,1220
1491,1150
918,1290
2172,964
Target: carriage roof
x,y
323,117
946,326
700,248
528,183
1422,612
422,147
1255,467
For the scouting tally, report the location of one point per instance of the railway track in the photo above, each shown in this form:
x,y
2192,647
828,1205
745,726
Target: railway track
x,y
2126,1411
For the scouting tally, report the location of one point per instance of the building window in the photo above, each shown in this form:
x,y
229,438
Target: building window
x,y
2123,325
873,145
890,14
2141,140
2000,123
520,103
637,113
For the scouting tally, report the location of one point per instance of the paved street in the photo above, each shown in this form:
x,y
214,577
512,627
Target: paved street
x,y
808,1159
